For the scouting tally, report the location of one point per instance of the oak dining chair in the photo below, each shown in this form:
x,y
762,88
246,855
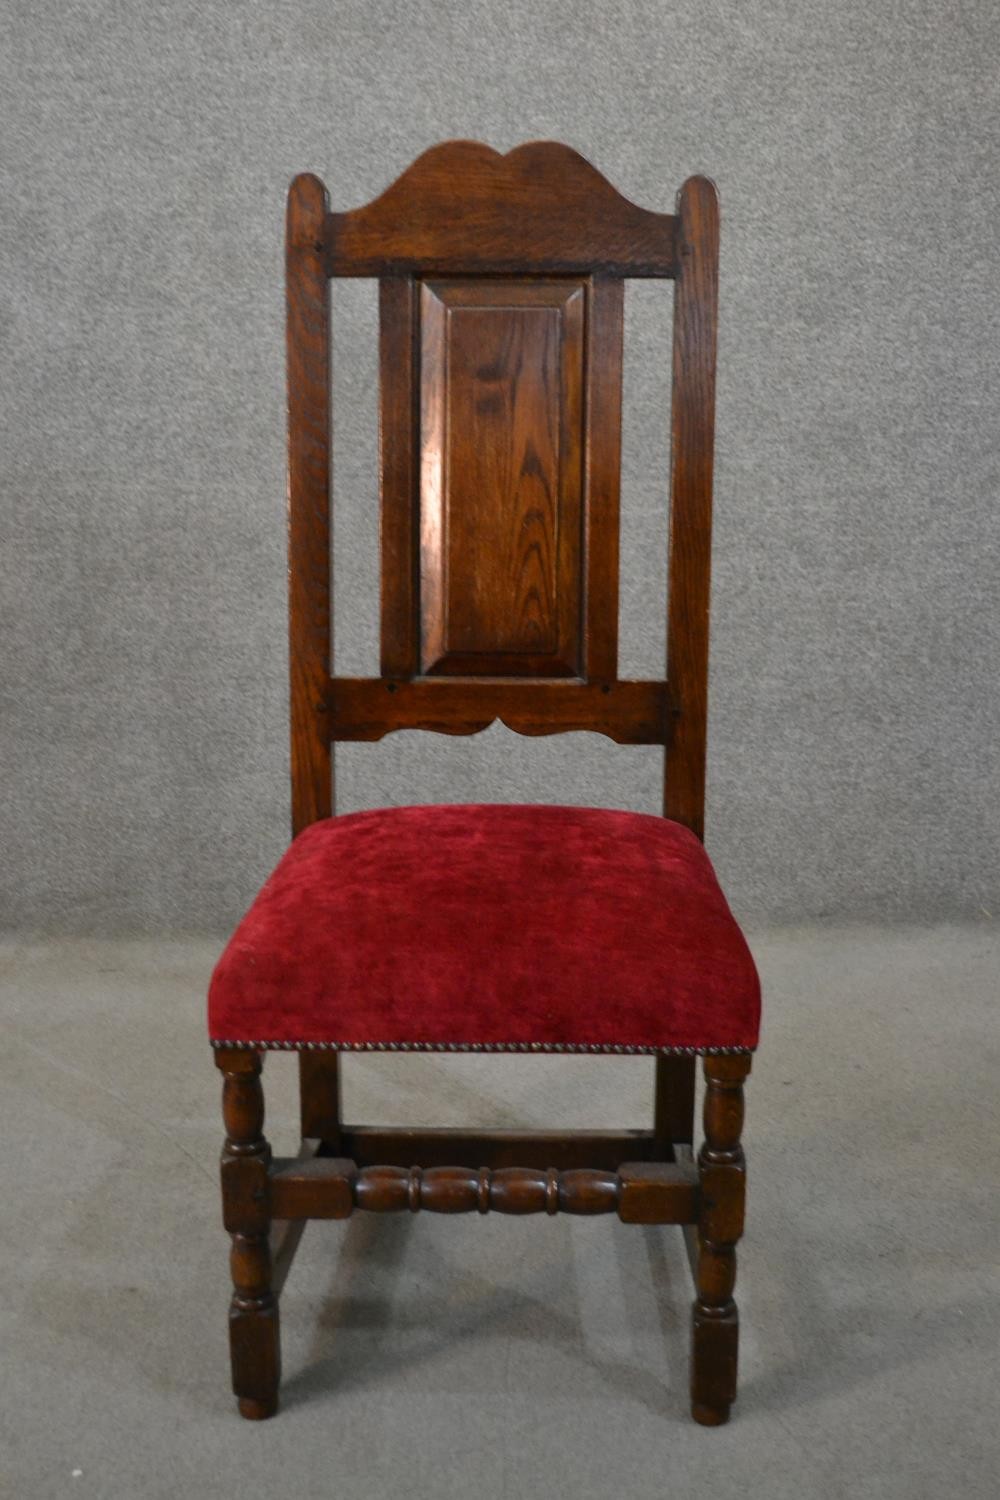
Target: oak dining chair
x,y
493,928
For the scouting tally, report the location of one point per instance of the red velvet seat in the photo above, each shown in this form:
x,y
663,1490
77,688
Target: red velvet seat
x,y
491,928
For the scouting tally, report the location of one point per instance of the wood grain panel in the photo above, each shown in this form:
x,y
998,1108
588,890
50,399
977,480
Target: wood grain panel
x,y
463,208
501,496
501,477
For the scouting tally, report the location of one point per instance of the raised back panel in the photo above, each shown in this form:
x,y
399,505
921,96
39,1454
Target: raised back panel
x,y
501,478
499,454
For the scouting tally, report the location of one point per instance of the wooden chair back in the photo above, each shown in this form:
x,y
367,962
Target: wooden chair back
x,y
500,311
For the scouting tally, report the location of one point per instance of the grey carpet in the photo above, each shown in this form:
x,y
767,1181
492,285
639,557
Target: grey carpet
x,y
497,1357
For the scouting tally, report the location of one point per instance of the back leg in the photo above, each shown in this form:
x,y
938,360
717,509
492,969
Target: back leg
x,y
673,1117
319,1091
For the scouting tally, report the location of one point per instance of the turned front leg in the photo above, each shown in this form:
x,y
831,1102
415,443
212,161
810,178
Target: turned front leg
x,y
722,1191
253,1314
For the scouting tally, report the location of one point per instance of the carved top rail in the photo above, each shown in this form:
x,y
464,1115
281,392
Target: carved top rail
x,y
465,208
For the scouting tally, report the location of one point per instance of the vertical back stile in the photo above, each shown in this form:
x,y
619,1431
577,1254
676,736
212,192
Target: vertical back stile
x,y
693,431
603,481
397,474
308,311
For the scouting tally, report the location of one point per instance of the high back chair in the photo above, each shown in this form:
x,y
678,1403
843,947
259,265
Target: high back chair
x,y
493,928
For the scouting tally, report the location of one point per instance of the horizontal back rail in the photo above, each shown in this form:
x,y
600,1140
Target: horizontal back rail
x,y
368,708
464,209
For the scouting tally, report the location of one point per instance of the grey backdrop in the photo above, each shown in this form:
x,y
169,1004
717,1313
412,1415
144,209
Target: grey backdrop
x,y
146,148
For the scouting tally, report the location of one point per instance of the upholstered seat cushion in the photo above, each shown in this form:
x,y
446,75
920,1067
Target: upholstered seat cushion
x,y
494,928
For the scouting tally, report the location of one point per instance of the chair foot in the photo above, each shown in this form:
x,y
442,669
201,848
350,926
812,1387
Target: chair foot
x,y
257,1411
714,1346
255,1350
709,1416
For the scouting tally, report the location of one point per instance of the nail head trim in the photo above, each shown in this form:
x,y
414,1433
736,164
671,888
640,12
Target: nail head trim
x,y
594,1048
